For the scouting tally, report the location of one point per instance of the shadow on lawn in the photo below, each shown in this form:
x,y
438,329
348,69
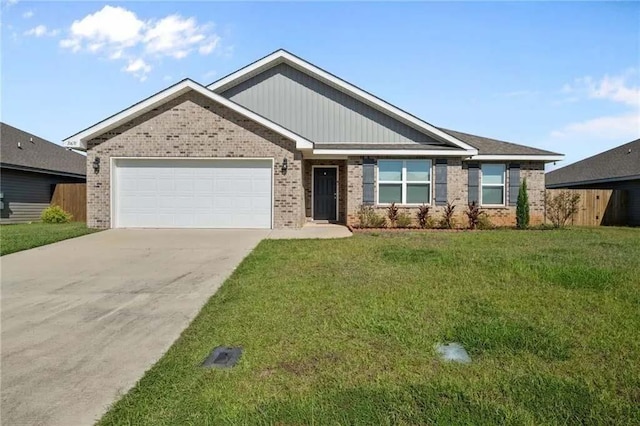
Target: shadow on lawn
x,y
536,398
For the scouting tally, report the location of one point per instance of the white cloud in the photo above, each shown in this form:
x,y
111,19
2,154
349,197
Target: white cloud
x,y
117,33
590,136
28,14
622,88
622,128
138,68
41,31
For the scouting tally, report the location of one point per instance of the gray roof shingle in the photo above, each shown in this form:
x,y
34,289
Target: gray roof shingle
x,y
619,163
488,146
37,153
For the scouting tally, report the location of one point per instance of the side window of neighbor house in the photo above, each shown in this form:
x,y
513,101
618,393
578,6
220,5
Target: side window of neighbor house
x,y
404,181
493,184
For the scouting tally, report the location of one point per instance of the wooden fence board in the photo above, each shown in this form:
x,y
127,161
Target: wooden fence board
x,y
597,206
72,197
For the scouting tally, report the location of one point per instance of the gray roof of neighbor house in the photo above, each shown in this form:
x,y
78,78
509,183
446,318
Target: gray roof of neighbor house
x,y
619,163
19,149
488,146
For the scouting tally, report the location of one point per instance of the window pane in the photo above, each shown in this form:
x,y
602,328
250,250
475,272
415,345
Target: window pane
x,y
390,193
493,173
390,170
418,193
492,195
418,170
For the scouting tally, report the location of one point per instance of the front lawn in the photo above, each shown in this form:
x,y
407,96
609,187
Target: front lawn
x,y
343,332
24,236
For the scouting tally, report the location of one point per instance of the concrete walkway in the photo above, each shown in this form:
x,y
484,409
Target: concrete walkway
x,y
83,319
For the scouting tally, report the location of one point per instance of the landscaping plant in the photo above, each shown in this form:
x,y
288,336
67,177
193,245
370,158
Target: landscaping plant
x,y
447,221
473,214
369,218
404,220
522,208
392,214
55,214
423,216
561,207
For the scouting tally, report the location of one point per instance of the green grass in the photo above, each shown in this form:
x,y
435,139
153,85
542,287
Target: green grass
x,y
343,332
20,237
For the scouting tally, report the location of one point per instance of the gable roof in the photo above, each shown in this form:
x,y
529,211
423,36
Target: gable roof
x,y
495,147
26,151
617,164
282,56
79,140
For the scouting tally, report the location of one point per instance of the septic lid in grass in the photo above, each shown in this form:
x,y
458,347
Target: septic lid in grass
x,y
223,357
453,352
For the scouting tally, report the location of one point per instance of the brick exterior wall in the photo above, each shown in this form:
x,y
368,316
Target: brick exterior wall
x,y
307,167
194,126
457,194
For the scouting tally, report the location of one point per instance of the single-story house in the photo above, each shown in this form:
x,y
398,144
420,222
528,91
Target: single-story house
x,y
30,168
280,142
616,169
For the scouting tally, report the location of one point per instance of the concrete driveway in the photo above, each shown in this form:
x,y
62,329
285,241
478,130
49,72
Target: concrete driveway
x,y
83,319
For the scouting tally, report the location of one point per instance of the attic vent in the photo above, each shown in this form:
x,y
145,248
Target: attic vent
x,y
223,357
20,145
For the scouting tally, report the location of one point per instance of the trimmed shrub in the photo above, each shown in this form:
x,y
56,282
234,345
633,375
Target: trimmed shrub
x,y
484,222
561,207
522,209
55,214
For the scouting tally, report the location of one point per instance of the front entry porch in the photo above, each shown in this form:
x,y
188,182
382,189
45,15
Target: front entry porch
x,y
325,190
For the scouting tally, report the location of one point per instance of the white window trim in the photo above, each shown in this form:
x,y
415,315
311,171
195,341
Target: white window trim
x,y
403,182
502,185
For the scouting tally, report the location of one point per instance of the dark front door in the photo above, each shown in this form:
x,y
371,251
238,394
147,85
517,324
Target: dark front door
x,y
325,193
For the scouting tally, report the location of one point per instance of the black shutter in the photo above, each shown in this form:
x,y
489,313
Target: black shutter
x,y
441,181
474,181
368,181
514,183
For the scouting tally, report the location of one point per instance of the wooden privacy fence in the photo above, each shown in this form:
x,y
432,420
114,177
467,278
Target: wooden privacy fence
x,y
597,206
72,197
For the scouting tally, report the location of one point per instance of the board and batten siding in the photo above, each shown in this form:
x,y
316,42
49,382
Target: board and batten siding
x,y
26,194
318,111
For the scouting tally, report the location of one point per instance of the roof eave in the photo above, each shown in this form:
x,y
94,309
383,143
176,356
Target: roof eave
x,y
547,158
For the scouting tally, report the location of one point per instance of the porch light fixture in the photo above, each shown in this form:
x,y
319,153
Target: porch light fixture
x,y
96,165
285,166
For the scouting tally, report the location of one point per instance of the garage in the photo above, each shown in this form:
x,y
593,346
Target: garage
x,y
192,193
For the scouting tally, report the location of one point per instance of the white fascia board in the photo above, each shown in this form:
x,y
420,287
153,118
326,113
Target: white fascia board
x,y
79,140
283,56
394,152
516,158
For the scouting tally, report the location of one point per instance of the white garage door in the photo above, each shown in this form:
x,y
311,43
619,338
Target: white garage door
x,y
172,193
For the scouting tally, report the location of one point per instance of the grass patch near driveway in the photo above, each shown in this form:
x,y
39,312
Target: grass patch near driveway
x,y
343,332
24,236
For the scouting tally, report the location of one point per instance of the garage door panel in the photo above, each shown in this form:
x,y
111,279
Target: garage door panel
x,y
193,193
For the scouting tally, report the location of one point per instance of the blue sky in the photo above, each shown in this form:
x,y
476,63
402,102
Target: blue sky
x,y
560,76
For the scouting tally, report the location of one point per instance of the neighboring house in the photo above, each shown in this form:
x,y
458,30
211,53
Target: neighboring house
x,y
282,141
617,169
30,168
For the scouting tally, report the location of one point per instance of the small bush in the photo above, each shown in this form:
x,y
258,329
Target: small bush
x,y
473,213
369,218
392,214
423,216
55,214
404,220
522,209
484,222
561,207
447,221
